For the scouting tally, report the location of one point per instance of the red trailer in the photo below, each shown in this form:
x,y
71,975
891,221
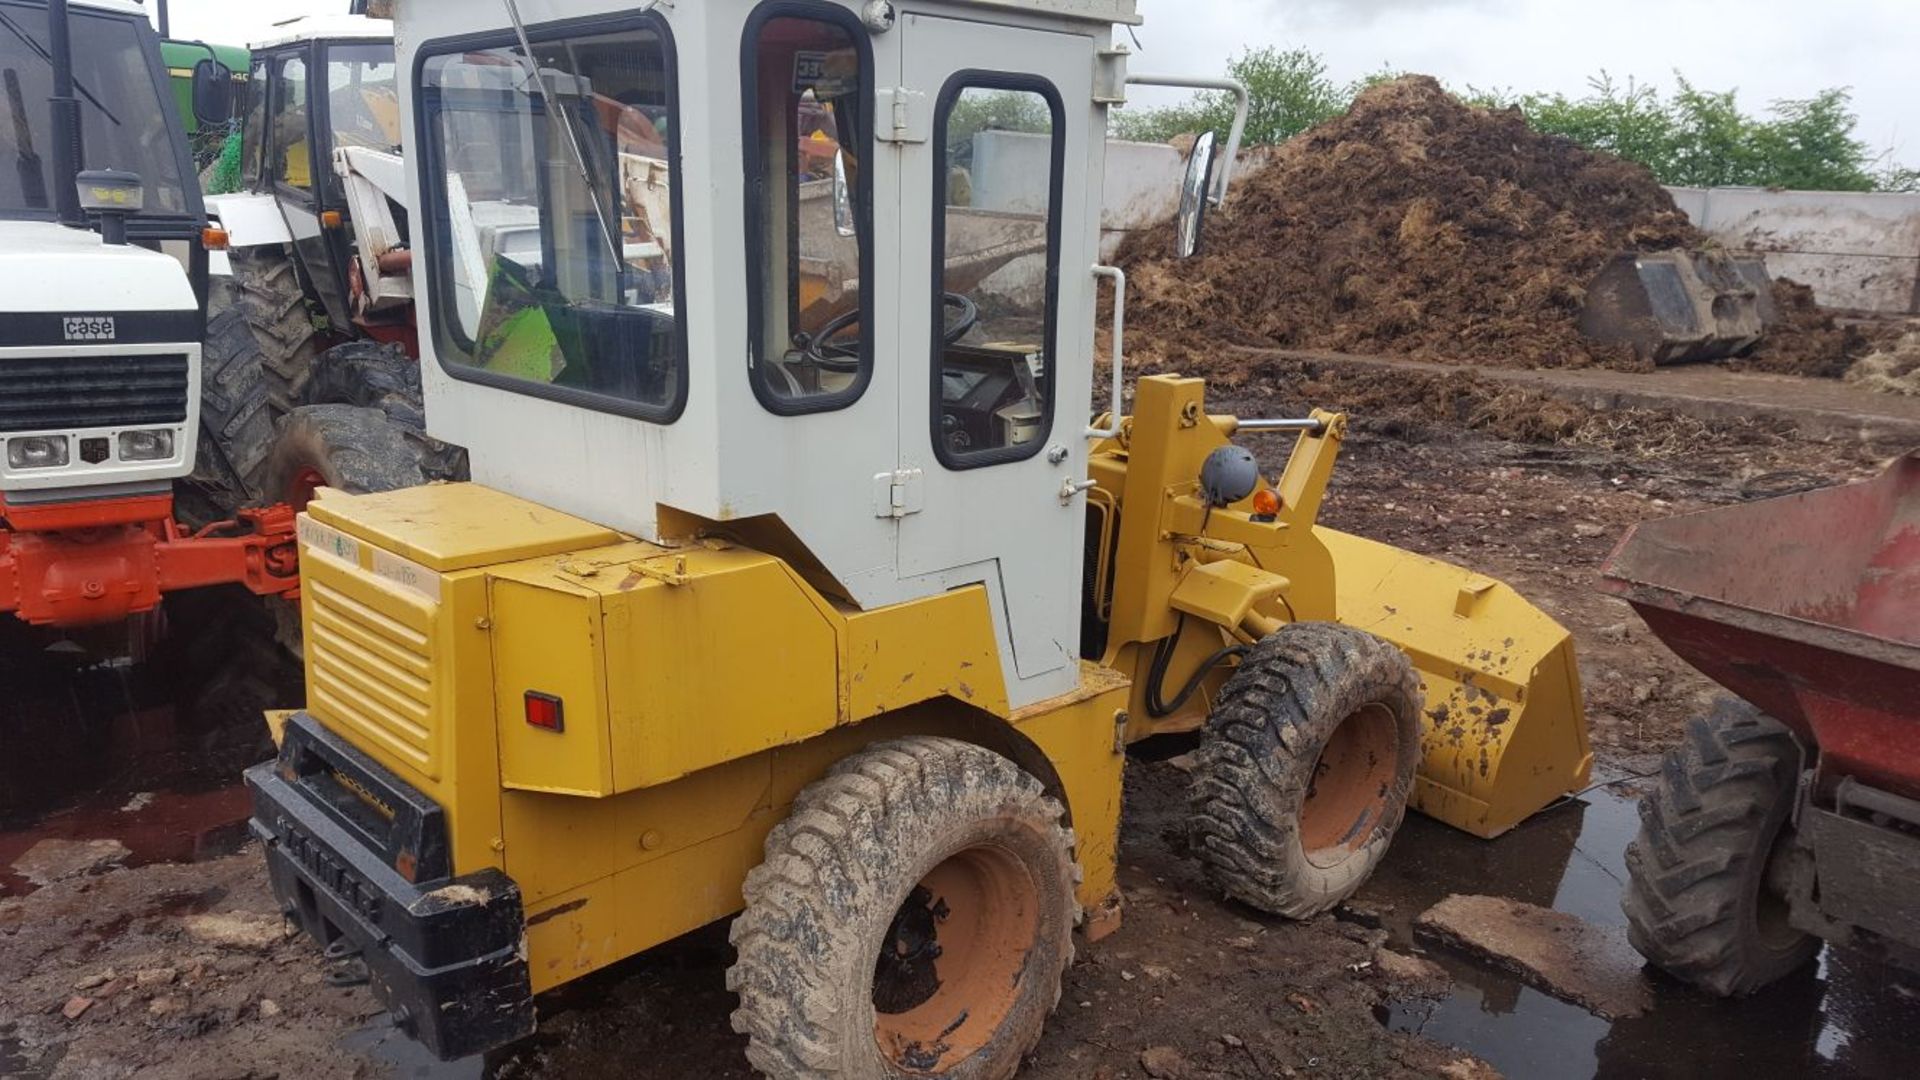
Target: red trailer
x,y
1793,814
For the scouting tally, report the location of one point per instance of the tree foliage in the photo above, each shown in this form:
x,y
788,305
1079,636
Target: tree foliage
x,y
1692,137
1289,90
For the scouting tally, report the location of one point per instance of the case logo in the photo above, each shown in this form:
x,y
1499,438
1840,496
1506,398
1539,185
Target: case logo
x,y
88,327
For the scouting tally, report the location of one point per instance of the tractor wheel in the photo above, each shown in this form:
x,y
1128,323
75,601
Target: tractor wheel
x,y
346,447
1699,901
914,916
371,375
236,424
266,286
1304,768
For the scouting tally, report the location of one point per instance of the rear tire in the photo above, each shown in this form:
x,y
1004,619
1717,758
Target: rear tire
x,y
1304,768
1697,901
236,422
268,290
257,358
914,915
345,447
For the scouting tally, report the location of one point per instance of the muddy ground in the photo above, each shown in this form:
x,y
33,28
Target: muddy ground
x,y
179,970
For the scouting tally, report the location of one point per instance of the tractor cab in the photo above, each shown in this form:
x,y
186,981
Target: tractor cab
x,y
318,84
798,268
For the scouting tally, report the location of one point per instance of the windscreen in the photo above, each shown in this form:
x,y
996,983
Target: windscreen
x,y
122,122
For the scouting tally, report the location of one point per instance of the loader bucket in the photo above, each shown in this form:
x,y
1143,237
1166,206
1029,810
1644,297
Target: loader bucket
x,y
1672,307
1504,733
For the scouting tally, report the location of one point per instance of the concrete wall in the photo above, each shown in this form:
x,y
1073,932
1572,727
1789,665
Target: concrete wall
x,y
1857,251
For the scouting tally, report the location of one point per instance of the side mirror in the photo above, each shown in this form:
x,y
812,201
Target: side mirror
x,y
1196,192
842,196
212,92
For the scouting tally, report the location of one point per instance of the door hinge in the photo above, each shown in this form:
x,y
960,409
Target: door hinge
x,y
904,116
1110,76
899,493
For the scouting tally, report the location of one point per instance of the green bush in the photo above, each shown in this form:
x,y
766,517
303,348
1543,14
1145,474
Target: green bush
x,y
1693,137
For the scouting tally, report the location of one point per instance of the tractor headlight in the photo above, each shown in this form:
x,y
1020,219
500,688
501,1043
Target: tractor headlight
x,y
37,452
153,445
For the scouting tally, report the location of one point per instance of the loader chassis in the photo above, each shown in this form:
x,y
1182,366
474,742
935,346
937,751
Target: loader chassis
x,y
738,593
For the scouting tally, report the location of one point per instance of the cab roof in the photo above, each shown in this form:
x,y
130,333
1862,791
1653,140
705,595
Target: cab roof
x,y
1103,11
328,28
118,7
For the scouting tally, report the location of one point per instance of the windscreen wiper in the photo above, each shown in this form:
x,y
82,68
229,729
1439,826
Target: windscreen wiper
x,y
573,141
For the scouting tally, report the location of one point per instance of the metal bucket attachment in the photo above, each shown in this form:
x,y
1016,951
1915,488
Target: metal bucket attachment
x,y
1504,732
1672,307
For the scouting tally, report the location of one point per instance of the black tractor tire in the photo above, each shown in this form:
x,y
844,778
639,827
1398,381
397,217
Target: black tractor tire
x,y
236,423
1304,768
1698,903
376,376
266,286
914,916
345,447
373,376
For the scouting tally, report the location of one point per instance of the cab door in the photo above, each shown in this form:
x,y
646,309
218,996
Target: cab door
x,y
999,232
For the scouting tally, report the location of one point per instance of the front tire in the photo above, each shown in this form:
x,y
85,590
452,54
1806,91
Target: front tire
x,y
914,915
1304,768
1698,903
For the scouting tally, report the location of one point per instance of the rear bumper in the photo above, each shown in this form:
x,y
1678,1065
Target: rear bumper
x,y
445,956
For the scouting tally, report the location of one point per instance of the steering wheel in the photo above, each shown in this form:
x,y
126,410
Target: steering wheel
x,y
824,352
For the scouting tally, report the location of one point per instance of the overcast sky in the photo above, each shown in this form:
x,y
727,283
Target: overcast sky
x,y
1767,49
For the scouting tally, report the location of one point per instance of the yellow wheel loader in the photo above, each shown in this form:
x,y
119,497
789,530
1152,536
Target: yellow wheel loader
x,y
834,619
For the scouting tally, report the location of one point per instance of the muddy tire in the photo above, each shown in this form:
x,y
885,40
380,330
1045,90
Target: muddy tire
x,y
373,376
236,423
346,447
266,288
914,915
1303,771
1697,901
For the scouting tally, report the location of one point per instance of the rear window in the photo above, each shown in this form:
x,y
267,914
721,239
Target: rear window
x,y
558,272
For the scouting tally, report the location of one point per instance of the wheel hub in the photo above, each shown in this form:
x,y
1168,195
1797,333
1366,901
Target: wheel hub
x,y
951,964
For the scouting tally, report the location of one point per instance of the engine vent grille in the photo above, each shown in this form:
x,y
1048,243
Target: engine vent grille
x,y
66,392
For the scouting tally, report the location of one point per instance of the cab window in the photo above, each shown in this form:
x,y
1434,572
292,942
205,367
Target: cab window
x,y
808,81
363,103
254,127
554,188
996,245
292,157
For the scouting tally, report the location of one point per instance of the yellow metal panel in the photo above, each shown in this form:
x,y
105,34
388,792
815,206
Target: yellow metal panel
x,y
941,646
448,527
1225,592
402,668
547,639
1504,733
632,911
1080,733
556,844
734,661
598,894
369,662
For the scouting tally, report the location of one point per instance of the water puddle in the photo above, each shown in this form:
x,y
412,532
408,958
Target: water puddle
x,y
153,827
1846,1017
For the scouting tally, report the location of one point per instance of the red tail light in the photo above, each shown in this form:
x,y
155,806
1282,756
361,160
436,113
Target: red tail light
x,y
545,711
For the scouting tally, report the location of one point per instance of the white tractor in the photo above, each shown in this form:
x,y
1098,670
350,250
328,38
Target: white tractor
x,y
106,256
318,239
